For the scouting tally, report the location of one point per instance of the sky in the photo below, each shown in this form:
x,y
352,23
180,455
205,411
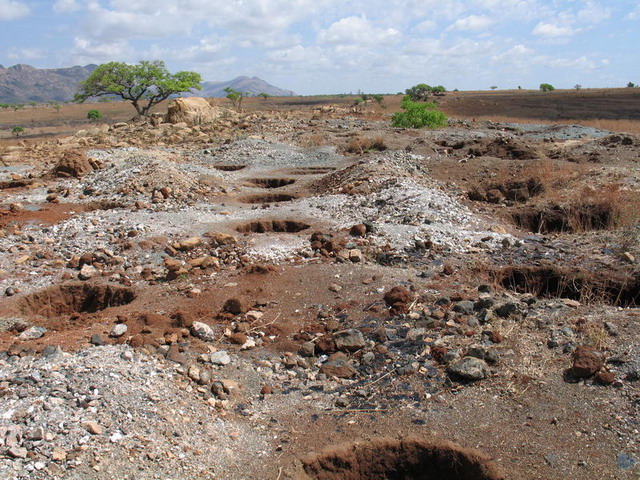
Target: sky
x,y
339,46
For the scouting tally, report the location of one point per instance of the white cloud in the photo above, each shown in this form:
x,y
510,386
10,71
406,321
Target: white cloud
x,y
358,31
10,10
551,30
66,6
25,53
517,54
426,26
634,14
472,22
87,51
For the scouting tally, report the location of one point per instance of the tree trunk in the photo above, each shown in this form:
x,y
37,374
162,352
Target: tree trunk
x,y
138,108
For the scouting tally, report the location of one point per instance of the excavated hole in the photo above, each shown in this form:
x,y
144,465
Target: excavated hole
x,y
268,198
272,182
229,168
566,219
70,298
310,170
411,459
264,226
575,284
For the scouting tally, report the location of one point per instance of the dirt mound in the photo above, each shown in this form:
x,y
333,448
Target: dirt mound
x,y
72,298
500,148
411,459
192,111
74,164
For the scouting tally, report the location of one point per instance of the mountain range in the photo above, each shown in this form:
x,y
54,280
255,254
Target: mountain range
x,y
24,84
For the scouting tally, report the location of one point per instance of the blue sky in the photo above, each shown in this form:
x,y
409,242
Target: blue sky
x,y
334,46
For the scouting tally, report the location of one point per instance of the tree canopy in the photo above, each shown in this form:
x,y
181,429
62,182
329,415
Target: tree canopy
x,y
148,81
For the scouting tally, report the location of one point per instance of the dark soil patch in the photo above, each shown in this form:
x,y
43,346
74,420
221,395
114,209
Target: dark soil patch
x,y
575,284
272,182
264,226
70,298
411,459
268,198
566,219
517,191
229,168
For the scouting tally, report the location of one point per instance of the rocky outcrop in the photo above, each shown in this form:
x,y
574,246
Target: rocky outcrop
x,y
192,111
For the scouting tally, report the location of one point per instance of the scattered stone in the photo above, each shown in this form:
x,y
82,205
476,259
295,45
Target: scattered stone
x,y
349,340
202,331
32,333
97,340
17,452
93,428
359,230
470,368
220,357
118,330
87,272
338,368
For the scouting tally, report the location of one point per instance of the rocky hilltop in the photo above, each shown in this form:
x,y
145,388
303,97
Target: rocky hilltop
x,y
24,83
252,85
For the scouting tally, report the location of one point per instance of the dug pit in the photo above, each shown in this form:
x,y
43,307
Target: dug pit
x,y
272,182
268,198
264,226
575,284
411,459
70,298
566,219
229,168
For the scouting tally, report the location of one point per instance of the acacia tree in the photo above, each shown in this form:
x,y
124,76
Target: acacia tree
x,y
146,81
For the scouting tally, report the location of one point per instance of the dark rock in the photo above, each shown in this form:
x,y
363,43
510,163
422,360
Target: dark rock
x,y
96,339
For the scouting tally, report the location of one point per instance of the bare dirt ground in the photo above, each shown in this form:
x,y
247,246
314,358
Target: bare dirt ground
x,y
303,291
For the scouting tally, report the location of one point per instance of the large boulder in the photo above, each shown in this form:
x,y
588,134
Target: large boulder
x,y
192,111
74,164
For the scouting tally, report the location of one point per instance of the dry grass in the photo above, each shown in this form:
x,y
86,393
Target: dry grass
x,y
361,144
620,126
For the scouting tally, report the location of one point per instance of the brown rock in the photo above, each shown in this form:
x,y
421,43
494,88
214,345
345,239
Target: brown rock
x,y
73,164
605,378
175,355
234,306
586,362
266,390
359,230
338,368
397,300
93,428
238,338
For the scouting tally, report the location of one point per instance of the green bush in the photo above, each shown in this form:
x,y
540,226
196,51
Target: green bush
x,y
94,115
546,87
418,115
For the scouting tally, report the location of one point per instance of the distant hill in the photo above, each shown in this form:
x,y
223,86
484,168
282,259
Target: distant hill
x,y
24,83
253,86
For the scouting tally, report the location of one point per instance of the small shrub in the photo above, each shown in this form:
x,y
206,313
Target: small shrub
x,y
418,115
17,130
631,85
547,87
94,115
